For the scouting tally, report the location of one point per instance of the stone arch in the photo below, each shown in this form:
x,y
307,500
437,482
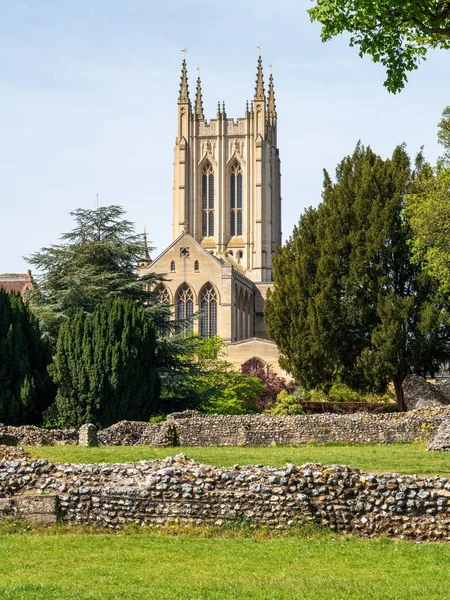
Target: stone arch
x,y
209,302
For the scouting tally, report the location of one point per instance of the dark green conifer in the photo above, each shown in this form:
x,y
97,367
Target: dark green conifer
x,y
105,366
25,387
348,304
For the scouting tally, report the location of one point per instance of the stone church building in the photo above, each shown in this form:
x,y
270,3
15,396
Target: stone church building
x,y
226,221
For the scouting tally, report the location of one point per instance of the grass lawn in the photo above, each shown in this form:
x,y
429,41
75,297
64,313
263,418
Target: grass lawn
x,y
399,458
69,566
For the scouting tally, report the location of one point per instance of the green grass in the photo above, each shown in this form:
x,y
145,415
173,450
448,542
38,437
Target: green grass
x,y
400,458
189,566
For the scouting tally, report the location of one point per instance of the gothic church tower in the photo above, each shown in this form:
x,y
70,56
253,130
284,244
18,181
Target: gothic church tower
x,y
226,192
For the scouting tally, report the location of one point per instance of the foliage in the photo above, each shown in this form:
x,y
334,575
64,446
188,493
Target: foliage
x,y
348,305
104,366
212,386
97,261
397,33
286,404
273,383
339,392
25,387
428,210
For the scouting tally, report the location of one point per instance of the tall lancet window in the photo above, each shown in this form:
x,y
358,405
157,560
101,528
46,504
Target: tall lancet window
x,y
207,200
236,199
185,306
208,312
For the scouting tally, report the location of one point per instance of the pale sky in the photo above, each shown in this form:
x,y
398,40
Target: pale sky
x,y
88,98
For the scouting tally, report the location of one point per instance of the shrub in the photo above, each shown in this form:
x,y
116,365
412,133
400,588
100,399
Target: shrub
x,y
286,404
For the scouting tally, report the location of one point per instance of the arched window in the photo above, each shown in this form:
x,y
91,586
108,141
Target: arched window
x,y
236,199
162,293
207,200
208,312
172,266
196,266
185,306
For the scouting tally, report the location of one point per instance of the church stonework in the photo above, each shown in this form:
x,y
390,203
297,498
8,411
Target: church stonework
x,y
226,221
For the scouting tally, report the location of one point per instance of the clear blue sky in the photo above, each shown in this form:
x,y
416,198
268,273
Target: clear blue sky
x,y
88,92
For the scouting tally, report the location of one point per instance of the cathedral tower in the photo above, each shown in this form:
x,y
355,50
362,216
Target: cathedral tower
x,y
226,192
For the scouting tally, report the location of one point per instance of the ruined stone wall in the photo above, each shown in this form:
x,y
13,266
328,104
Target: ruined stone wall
x,y
177,490
194,429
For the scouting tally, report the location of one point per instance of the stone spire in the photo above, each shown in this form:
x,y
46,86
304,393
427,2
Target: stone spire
x,y
184,89
198,110
271,107
259,88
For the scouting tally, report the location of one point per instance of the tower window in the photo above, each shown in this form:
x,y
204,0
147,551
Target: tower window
x,y
208,312
185,306
207,200
236,199
172,266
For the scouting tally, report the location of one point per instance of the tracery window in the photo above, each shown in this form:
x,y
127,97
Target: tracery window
x,y
207,200
162,293
208,312
185,306
236,199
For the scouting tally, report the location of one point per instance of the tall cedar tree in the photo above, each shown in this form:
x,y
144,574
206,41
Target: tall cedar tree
x,y
104,366
348,304
98,260
25,386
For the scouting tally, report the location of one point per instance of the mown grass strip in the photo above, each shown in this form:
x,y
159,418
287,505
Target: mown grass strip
x,y
154,565
400,458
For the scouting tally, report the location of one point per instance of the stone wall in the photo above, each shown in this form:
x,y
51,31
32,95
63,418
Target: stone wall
x,y
29,435
177,490
194,429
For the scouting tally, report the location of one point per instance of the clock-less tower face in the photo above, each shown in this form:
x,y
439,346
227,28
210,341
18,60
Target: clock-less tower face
x,y
226,190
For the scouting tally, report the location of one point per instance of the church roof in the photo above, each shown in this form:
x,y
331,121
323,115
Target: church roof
x,y
191,240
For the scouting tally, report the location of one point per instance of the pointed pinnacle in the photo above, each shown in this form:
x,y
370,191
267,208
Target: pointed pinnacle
x,y
199,114
259,88
271,107
184,88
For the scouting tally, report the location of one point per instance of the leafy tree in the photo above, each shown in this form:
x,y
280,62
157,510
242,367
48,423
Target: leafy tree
x,y
25,387
397,33
104,366
348,304
212,386
272,384
97,261
428,210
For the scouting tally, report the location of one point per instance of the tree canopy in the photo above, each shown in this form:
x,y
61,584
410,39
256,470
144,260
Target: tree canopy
x,y
348,305
397,33
25,386
97,261
104,366
428,209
